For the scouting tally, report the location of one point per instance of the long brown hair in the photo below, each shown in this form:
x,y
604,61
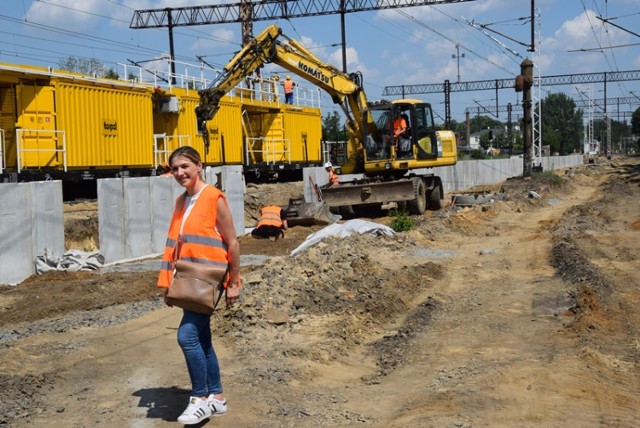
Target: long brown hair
x,y
187,152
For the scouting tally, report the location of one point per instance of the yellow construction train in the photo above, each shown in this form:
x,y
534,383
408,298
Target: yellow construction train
x,y
61,125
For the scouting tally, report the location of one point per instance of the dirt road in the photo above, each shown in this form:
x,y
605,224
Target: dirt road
x,y
524,312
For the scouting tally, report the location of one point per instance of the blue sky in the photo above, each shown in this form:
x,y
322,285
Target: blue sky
x,y
408,46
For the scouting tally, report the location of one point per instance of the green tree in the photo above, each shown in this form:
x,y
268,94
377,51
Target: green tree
x,y
332,130
459,128
87,66
478,123
111,74
478,154
518,143
635,122
500,141
561,124
484,141
618,130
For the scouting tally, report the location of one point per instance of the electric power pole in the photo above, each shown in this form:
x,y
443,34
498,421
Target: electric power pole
x,y
524,81
457,56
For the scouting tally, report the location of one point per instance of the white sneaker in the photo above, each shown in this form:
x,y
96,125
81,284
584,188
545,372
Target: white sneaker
x,y
197,411
217,407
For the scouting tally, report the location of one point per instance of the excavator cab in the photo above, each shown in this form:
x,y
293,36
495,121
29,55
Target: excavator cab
x,y
418,141
377,145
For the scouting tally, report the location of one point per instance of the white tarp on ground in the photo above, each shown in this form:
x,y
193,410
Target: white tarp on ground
x,y
343,230
72,260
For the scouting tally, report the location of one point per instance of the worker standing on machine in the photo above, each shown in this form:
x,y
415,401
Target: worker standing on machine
x,y
288,85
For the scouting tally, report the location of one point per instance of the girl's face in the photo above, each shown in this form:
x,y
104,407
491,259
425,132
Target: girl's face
x,y
185,171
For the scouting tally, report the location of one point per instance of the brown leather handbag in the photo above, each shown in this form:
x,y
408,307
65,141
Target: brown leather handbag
x,y
196,287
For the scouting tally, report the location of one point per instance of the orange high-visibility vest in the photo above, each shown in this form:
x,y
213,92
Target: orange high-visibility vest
x,y
288,86
333,178
270,216
200,241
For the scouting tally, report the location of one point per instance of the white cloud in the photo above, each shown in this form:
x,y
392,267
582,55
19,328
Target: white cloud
x,y
353,60
217,37
74,15
575,46
437,15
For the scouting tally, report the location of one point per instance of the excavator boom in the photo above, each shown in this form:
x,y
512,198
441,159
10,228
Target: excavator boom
x,y
389,160
271,46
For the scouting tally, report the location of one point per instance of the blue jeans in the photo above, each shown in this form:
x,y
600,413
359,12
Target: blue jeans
x,y
194,337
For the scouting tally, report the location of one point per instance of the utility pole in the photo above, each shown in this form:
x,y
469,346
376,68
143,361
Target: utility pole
x,y
524,81
458,56
171,47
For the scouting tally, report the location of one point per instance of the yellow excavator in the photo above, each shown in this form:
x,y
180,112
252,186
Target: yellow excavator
x,y
387,169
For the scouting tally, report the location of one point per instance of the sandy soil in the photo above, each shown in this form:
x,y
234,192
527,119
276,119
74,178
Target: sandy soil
x,y
523,312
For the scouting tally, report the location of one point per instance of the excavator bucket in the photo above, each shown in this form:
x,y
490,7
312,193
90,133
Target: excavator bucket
x,y
300,213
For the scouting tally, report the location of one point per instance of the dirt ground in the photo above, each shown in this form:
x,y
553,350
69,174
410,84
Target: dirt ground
x,y
521,312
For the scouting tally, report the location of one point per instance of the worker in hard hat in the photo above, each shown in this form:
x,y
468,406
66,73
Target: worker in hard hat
x,y
334,180
288,85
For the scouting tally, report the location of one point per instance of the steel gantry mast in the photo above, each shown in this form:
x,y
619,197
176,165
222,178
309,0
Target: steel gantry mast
x,y
537,97
266,10
246,12
484,85
447,87
517,108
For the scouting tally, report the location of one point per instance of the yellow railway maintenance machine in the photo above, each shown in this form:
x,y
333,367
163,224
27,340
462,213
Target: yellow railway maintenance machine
x,y
62,125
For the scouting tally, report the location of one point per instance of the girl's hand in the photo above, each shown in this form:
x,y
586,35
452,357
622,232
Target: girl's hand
x,y
233,292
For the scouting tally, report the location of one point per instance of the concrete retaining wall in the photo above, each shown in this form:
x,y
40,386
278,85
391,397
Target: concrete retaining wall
x,y
134,213
463,175
466,174
31,223
133,218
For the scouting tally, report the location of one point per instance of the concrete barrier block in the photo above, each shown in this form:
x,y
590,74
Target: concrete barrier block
x,y
111,229
232,180
16,256
164,191
47,218
137,217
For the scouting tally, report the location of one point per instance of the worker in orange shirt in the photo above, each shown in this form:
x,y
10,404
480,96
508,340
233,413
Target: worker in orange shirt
x,y
334,179
288,85
400,127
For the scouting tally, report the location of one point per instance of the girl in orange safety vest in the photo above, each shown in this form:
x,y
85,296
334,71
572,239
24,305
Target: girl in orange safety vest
x,y
201,231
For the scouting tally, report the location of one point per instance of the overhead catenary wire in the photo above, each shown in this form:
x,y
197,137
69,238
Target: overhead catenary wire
x,y
613,67
451,31
463,21
430,28
98,43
